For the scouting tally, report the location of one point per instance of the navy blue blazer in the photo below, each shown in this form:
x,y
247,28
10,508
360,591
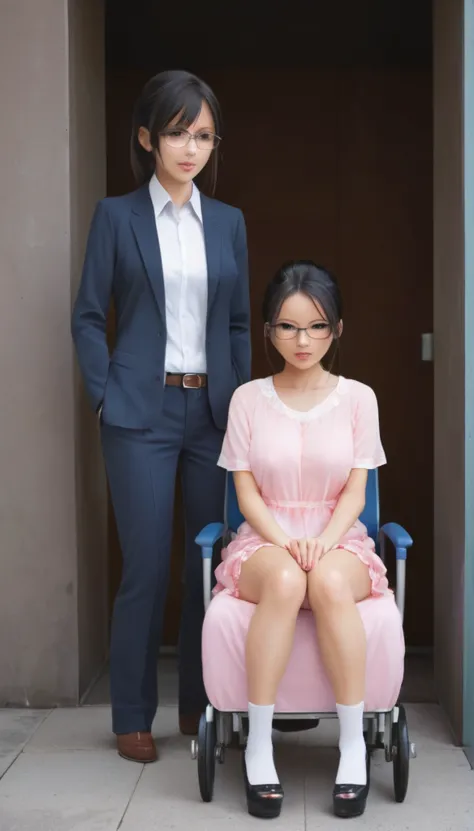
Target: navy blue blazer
x,y
123,261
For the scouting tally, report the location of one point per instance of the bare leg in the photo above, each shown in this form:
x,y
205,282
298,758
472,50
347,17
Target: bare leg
x,y
335,585
274,581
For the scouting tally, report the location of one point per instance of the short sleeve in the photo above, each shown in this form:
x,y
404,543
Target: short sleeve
x,y
236,445
368,450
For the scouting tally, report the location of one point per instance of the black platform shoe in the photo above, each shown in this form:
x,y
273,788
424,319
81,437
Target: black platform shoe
x,y
350,800
263,801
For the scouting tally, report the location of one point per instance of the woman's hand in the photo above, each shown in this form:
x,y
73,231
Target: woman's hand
x,y
309,550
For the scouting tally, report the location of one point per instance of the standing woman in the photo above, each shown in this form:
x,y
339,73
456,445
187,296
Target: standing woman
x,y
175,263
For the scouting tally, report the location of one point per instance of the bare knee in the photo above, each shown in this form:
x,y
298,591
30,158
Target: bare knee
x,y
286,586
328,587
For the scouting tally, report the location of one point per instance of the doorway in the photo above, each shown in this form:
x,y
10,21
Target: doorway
x,y
328,151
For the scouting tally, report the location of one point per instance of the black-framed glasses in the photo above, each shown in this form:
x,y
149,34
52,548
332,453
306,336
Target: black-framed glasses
x,y
287,331
181,137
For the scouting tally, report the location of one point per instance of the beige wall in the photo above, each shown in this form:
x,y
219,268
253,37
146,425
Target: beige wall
x,y
52,578
449,357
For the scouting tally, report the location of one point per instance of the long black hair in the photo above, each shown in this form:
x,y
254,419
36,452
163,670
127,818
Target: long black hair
x,y
306,277
165,96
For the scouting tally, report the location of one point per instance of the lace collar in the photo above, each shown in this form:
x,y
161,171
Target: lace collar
x,y
267,387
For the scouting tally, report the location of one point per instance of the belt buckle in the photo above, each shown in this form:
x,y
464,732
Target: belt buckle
x,y
188,377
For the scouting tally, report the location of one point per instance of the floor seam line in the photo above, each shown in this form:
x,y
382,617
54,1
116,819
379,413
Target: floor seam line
x,y
130,800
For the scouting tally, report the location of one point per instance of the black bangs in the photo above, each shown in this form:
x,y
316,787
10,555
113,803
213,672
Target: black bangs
x,y
188,109
165,97
310,279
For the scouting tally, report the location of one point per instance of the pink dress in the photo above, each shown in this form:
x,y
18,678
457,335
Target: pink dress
x,y
301,463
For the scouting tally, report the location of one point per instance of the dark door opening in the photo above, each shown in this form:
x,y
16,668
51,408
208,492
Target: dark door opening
x,y
328,151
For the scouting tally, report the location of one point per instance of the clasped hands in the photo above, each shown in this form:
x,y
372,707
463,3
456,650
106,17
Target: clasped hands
x,y
308,551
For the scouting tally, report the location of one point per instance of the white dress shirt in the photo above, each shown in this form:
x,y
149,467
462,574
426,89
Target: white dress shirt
x,y
183,254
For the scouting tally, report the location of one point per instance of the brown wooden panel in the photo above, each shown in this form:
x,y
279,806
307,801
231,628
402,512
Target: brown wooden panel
x,y
280,166
385,269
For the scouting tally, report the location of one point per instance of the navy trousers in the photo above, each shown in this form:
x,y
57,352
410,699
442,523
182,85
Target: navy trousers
x,y
141,468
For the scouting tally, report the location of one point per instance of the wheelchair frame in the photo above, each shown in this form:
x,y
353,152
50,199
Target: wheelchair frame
x,y
383,729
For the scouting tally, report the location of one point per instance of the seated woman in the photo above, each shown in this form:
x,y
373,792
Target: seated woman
x,y
300,444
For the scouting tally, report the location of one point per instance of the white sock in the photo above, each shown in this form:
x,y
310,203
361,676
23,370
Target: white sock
x,y
352,766
259,751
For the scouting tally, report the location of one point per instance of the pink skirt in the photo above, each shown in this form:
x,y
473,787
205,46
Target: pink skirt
x,y
247,542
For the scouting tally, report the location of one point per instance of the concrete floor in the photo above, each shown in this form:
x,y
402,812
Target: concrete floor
x,y
59,772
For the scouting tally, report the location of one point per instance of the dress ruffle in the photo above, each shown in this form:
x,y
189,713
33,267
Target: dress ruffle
x,y
247,543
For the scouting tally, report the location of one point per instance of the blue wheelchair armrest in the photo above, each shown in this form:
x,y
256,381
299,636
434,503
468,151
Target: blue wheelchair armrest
x,y
399,537
207,538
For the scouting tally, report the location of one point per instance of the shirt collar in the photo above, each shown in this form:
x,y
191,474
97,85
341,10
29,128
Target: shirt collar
x,y
160,198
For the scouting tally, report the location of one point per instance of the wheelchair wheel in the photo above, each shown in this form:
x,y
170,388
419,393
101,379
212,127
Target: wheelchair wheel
x,y
401,755
206,758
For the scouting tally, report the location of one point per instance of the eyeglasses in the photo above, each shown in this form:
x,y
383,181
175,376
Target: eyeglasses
x,y
180,138
286,331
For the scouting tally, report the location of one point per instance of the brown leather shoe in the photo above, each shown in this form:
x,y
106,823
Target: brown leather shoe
x,y
189,723
137,747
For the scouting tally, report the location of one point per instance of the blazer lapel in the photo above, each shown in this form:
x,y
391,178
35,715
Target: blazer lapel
x,y
213,243
144,228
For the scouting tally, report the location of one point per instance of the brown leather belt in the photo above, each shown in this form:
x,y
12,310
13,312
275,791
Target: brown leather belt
x,y
190,380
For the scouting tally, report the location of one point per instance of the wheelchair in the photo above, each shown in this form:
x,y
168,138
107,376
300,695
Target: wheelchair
x,y
310,698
